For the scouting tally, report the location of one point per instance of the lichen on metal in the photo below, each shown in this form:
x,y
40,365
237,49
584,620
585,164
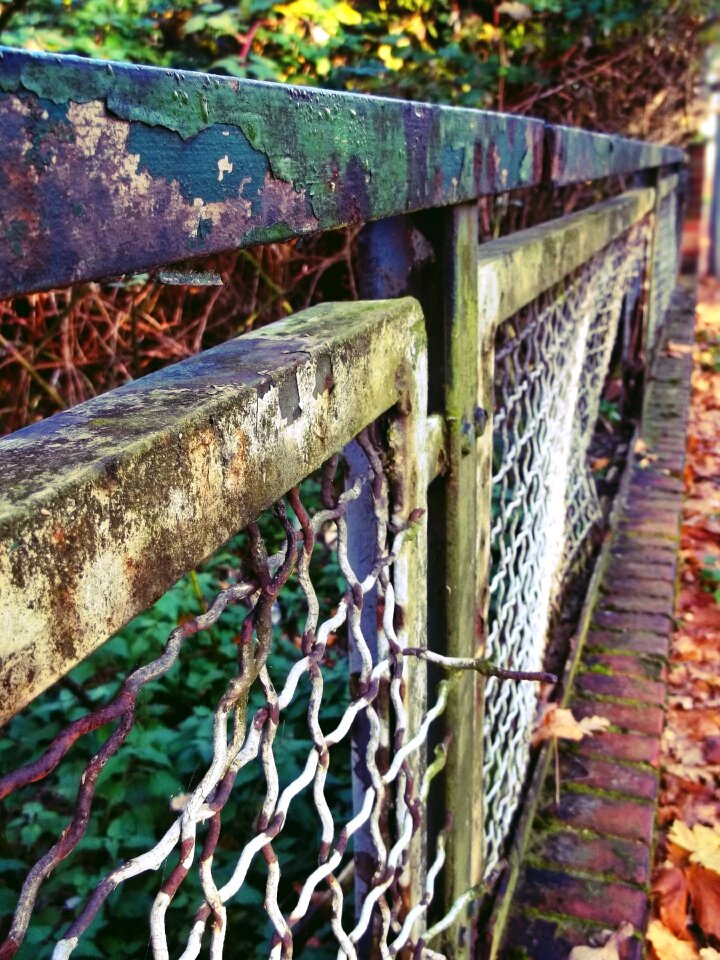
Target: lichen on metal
x,y
523,265
106,505
576,154
112,168
137,167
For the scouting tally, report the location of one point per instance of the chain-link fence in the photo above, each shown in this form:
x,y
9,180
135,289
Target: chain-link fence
x,y
551,360
382,748
390,765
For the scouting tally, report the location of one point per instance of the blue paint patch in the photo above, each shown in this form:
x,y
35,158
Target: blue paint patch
x,y
452,159
194,163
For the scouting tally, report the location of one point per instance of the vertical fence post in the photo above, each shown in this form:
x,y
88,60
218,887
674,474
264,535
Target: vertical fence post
x,y
651,318
467,427
395,259
657,263
434,257
488,317
407,440
362,540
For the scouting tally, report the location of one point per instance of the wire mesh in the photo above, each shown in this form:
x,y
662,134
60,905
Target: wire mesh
x,y
551,360
392,810
665,266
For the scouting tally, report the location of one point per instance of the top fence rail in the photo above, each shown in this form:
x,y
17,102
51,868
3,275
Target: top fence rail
x,y
178,164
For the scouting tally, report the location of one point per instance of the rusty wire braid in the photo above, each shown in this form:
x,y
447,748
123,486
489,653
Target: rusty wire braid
x,y
551,362
395,923
665,265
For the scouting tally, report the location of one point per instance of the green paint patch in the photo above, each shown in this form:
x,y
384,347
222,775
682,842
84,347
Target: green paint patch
x,y
274,233
50,128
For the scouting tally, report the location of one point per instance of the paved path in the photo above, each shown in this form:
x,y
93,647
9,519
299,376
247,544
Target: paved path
x,y
587,862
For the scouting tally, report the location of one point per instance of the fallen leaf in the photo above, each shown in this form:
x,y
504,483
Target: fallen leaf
x,y
671,893
704,887
667,946
682,836
594,724
681,703
562,725
703,844
609,950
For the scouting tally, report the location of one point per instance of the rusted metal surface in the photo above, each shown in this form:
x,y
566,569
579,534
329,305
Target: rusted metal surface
x,y
137,167
575,155
520,267
105,506
110,168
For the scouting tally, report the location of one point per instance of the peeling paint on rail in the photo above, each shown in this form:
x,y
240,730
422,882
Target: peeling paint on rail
x,y
105,506
111,168
124,164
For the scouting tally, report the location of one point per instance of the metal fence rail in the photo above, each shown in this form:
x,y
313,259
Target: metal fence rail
x,y
464,507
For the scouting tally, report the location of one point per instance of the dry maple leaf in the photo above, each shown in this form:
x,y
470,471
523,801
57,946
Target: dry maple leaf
x,y
562,725
667,946
610,949
671,897
704,887
558,724
701,842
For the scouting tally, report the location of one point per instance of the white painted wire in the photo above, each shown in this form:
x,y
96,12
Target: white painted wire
x,y
550,366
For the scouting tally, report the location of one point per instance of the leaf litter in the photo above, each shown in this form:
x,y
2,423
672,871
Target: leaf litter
x,y
686,881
